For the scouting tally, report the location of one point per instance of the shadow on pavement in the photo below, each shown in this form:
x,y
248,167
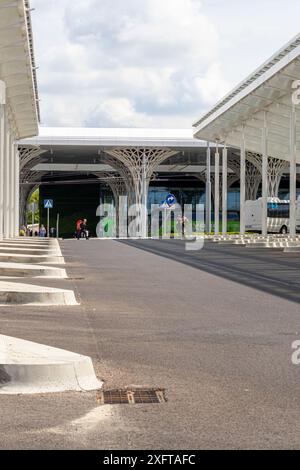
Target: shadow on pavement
x,y
268,270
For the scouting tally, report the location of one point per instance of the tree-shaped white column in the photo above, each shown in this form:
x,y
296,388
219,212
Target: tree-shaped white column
x,y
141,162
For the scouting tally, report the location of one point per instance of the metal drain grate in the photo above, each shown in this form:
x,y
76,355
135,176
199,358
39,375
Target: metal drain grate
x,y
131,397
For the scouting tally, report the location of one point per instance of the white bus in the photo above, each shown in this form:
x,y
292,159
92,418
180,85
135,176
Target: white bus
x,y
278,215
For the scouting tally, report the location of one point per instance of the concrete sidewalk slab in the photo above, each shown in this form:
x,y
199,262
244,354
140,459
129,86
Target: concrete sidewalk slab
x,y
232,242
27,250
12,293
31,259
39,241
29,368
31,270
25,243
292,249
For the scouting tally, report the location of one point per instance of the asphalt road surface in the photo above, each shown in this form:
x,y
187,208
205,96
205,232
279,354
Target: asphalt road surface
x,y
213,327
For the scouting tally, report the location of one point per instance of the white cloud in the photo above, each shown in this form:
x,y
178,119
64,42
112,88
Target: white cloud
x,y
210,85
124,62
118,112
151,62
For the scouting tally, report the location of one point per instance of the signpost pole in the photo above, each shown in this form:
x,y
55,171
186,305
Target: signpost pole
x,y
57,226
168,203
48,222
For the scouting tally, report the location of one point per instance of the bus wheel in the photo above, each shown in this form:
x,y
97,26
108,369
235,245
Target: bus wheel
x,y
283,230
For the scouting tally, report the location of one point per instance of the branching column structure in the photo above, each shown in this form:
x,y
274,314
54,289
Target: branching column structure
x,y
29,157
253,175
27,187
141,162
253,180
118,188
276,169
231,178
124,173
234,165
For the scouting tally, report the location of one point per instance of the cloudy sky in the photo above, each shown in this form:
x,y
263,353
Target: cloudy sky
x,y
150,63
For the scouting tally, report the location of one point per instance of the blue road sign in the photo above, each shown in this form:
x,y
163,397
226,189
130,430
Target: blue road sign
x,y
48,203
170,199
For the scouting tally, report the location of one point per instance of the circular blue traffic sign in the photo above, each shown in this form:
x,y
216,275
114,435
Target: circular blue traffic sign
x,y
170,199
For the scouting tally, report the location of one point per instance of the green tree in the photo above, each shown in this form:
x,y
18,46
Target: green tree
x,y
34,198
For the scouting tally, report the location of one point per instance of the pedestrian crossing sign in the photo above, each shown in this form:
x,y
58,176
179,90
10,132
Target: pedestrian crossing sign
x,y
48,203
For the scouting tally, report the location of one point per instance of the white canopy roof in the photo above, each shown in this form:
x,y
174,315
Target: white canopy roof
x,y
80,167
113,137
268,89
17,67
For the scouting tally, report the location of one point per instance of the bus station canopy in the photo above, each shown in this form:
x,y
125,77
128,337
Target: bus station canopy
x,y
17,67
265,98
113,137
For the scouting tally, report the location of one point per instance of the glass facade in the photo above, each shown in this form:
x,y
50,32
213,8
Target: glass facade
x,y
157,195
190,195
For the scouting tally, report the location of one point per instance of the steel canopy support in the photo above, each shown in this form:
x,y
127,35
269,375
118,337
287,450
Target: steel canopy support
x,y
217,190
17,193
293,170
144,190
253,180
242,182
208,192
224,190
252,174
264,213
6,203
119,190
28,185
12,189
2,151
124,173
276,168
23,198
27,157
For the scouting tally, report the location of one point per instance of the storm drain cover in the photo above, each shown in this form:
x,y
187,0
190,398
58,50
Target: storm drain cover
x,y
131,397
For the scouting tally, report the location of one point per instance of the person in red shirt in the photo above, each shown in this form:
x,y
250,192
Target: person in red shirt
x,y
78,228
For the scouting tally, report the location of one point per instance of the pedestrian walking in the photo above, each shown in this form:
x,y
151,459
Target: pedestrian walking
x,y
181,223
84,230
42,232
78,228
